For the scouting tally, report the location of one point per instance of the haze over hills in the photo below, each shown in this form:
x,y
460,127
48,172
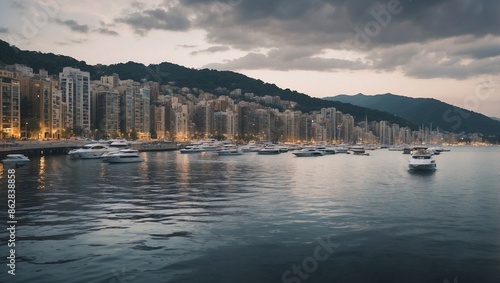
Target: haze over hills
x,y
216,82
425,111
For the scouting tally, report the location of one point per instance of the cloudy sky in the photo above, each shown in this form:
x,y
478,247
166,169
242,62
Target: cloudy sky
x,y
444,49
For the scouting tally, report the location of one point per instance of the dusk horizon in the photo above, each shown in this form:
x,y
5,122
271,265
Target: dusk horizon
x,y
322,48
250,141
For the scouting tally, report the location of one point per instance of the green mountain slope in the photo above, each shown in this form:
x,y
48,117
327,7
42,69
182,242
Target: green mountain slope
x,y
207,80
425,111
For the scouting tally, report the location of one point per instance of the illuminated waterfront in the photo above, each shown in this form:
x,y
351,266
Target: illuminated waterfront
x,y
252,218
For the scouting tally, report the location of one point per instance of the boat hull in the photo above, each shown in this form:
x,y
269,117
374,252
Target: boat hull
x,y
190,151
312,154
269,152
15,162
422,167
229,153
123,159
87,155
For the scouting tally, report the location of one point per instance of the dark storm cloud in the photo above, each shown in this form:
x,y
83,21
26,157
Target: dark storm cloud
x,y
391,33
210,50
329,21
143,21
74,26
187,46
458,58
107,31
72,41
287,60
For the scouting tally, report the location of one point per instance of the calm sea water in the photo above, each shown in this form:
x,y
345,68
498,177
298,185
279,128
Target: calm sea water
x,y
253,218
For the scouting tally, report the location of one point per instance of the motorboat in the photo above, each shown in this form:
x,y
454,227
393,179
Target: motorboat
x,y
437,150
91,151
16,160
209,144
358,150
230,150
308,152
119,144
250,147
192,149
421,159
269,150
341,149
283,148
123,156
326,150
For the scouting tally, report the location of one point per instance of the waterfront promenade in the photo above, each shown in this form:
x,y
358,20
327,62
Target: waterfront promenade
x,y
63,146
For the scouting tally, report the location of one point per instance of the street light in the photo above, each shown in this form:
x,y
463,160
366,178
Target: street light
x,y
26,129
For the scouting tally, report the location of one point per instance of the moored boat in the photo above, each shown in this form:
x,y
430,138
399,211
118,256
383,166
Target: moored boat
x,y
16,160
192,149
269,150
357,150
91,151
123,156
308,152
250,147
230,150
326,150
421,159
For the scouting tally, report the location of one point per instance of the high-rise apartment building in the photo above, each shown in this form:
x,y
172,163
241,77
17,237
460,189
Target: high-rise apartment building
x,y
75,94
108,112
44,98
10,104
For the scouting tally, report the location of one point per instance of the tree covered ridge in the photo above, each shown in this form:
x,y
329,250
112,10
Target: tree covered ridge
x,y
205,79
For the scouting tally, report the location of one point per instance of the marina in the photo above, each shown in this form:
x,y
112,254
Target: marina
x,y
40,148
190,215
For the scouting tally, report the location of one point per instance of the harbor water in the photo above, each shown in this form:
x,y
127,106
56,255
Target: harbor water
x,y
254,218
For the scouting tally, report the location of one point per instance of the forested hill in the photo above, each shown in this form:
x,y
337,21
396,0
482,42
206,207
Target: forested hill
x,y
207,80
425,111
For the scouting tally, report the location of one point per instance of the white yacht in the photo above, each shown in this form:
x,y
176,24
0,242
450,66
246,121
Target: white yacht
x,y
16,160
283,148
421,159
357,150
91,151
119,144
341,149
209,144
326,149
230,150
250,147
269,149
123,156
308,152
192,149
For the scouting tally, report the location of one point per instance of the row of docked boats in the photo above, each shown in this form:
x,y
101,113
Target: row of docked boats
x,y
406,149
229,148
116,151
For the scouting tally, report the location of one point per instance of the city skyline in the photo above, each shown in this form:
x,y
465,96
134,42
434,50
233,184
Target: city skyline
x,y
71,105
444,50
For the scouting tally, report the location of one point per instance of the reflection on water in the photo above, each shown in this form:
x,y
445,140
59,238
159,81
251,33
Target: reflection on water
x,y
208,218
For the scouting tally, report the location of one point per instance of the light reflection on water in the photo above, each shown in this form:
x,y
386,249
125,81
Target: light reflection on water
x,y
207,218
